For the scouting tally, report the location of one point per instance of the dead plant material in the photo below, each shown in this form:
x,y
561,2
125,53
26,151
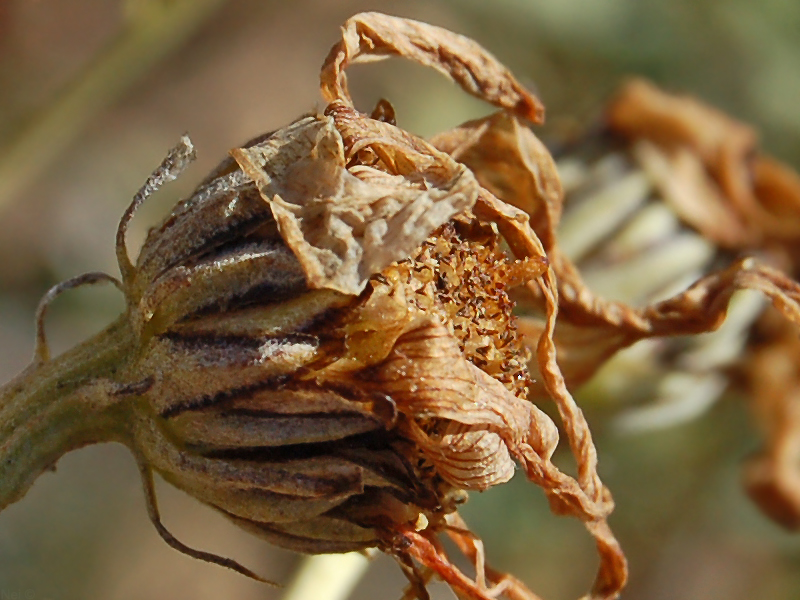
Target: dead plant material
x,y
772,477
710,168
320,340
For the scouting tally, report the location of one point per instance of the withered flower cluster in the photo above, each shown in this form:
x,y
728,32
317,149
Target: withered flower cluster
x,y
692,213
319,341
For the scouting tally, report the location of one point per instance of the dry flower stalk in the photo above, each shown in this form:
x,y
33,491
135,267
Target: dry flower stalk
x,y
319,341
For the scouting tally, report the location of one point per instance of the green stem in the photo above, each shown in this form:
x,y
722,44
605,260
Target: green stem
x,y
160,28
56,406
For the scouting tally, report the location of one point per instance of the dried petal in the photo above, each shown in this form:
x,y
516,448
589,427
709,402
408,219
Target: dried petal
x,y
342,229
512,163
727,148
693,195
374,36
772,477
458,414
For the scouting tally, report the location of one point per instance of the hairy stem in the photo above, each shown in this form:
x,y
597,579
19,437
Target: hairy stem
x,y
59,405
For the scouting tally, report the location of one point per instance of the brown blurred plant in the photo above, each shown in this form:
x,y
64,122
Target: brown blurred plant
x,y
689,200
709,169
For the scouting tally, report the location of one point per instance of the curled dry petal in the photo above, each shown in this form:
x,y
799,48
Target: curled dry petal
x,y
761,194
343,229
682,178
644,111
374,36
594,328
512,163
444,394
771,477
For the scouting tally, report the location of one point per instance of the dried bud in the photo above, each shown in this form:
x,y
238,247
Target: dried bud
x,y
320,341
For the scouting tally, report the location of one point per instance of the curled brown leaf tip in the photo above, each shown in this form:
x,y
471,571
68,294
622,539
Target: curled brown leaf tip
x,y
375,36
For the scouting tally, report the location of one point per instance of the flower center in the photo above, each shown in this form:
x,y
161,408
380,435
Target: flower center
x,y
462,274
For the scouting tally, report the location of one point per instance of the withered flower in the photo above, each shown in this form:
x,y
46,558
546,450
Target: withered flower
x,y
319,341
667,215
713,175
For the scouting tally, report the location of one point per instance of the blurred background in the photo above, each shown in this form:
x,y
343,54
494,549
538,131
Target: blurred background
x,y
249,66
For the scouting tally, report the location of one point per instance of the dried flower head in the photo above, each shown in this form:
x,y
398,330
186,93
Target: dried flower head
x,y
319,341
710,170
677,195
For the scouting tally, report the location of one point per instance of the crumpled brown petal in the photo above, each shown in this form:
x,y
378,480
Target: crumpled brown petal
x,y
373,36
342,229
684,182
428,377
513,164
594,329
772,477
760,194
